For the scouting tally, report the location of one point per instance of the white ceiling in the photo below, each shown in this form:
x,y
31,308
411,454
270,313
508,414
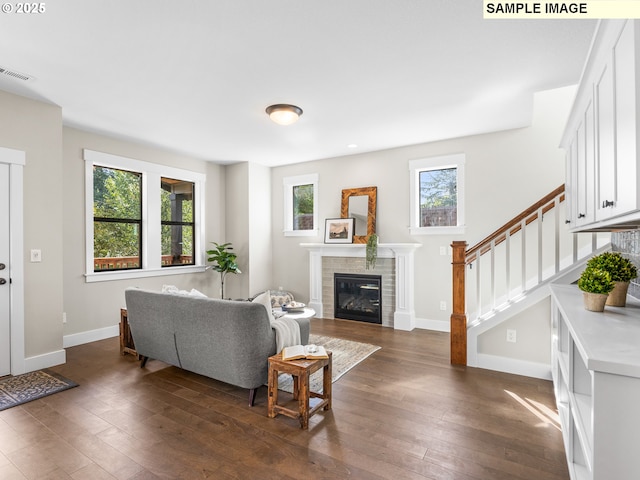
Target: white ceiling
x,y
196,76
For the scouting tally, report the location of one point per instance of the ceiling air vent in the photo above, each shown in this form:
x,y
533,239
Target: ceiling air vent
x,y
14,74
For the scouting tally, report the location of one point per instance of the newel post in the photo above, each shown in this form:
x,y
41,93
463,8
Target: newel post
x,y
459,314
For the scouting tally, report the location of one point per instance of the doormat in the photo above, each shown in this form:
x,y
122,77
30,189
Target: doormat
x,y
31,386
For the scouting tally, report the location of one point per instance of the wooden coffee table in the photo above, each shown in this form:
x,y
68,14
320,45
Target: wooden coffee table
x,y
301,370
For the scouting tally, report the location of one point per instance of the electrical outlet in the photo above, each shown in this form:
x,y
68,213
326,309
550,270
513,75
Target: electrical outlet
x,y
443,251
64,317
511,336
36,256
443,305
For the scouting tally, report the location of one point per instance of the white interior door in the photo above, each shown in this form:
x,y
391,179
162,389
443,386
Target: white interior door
x,y
5,317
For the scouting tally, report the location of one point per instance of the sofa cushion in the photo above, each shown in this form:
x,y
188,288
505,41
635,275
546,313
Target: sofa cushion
x,y
265,299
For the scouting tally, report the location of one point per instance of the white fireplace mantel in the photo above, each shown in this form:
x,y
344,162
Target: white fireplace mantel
x,y
404,315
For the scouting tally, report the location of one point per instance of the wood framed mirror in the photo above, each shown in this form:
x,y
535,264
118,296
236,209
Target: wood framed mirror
x,y
360,203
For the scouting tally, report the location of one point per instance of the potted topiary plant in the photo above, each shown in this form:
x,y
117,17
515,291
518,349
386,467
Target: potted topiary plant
x,y
224,262
622,271
596,285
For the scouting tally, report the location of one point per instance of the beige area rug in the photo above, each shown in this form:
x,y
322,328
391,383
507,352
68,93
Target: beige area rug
x,y
346,355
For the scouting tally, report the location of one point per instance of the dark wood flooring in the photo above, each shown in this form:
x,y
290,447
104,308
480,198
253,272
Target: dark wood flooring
x,y
403,413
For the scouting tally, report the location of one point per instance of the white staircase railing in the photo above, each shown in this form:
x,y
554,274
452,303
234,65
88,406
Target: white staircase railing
x,y
525,253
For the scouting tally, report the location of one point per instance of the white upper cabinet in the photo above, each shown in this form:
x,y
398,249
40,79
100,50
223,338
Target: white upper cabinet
x,y
625,60
601,136
606,149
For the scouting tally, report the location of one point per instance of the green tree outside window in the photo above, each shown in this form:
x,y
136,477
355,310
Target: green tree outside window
x,y
303,207
176,211
117,212
438,197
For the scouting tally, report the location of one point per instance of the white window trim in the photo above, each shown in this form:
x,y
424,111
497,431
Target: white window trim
x,y
415,167
289,183
151,251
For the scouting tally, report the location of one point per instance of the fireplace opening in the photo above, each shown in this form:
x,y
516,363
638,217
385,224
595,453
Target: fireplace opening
x,y
358,297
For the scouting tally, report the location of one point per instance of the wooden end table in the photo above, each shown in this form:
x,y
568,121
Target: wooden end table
x,y
126,340
301,370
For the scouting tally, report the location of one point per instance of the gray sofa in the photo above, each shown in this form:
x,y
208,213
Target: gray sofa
x,y
225,340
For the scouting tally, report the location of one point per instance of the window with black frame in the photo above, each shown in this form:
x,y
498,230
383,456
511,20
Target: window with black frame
x,y
177,222
117,219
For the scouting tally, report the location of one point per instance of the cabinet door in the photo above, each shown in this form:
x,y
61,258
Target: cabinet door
x,y
585,155
605,137
580,184
626,194
570,185
588,179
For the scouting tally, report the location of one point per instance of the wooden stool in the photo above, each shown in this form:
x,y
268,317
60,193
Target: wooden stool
x,y
301,369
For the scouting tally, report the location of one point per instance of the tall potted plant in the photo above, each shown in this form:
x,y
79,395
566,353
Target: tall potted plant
x,y
596,285
621,270
224,261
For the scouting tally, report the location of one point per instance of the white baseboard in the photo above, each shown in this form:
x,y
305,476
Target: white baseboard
x,y
45,360
437,325
90,336
515,366
59,357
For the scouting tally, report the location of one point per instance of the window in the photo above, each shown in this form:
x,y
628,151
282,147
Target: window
x,y
177,222
437,195
117,219
301,205
143,219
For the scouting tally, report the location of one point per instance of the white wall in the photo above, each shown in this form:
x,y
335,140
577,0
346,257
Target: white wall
x,y
260,235
237,228
248,227
505,173
533,329
35,128
93,308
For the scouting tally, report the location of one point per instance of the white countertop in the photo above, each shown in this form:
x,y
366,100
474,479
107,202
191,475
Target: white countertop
x,y
608,341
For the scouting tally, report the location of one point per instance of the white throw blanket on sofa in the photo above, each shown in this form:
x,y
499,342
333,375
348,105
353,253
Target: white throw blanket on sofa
x,y
287,332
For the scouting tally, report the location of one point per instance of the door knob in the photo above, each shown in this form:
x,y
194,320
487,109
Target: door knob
x,y
2,281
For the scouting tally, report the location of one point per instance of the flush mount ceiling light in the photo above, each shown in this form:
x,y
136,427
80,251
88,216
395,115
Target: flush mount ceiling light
x,y
284,114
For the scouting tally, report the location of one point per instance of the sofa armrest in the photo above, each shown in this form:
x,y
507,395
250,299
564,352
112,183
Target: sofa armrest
x,y
305,329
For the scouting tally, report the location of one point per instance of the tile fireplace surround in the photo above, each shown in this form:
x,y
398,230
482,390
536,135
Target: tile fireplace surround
x,y
402,253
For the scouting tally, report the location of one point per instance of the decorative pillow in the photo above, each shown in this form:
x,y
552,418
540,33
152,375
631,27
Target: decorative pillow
x,y
176,291
196,293
265,299
170,289
280,298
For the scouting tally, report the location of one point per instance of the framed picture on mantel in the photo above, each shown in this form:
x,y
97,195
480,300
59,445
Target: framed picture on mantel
x,y
339,230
